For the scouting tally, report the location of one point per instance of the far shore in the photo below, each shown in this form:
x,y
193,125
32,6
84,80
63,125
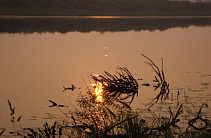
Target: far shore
x,y
52,12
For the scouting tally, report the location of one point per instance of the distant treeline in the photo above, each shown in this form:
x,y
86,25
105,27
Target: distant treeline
x,y
108,5
64,25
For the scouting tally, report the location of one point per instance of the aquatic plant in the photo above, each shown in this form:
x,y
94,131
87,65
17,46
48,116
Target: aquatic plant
x,y
13,119
101,119
120,86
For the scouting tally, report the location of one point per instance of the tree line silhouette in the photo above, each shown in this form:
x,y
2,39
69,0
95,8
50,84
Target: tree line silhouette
x,y
109,5
64,25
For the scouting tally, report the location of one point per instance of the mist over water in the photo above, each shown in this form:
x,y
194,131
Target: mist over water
x,y
39,56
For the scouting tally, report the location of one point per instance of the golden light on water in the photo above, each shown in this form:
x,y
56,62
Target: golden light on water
x,y
98,92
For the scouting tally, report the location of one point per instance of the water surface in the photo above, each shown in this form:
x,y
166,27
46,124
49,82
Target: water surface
x,y
40,55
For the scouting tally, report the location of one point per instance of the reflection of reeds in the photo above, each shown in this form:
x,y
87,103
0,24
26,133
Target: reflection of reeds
x,y
199,118
160,80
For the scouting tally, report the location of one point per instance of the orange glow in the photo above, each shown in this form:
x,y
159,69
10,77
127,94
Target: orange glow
x,y
99,92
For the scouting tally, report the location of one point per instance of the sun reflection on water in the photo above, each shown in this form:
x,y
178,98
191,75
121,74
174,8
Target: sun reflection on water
x,y
98,91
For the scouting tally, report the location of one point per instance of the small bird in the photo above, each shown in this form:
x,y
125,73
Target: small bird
x,y
69,88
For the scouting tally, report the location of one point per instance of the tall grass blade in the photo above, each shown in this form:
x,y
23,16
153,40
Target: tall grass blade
x,y
125,104
112,113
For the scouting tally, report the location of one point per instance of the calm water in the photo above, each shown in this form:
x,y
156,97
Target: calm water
x,y
38,56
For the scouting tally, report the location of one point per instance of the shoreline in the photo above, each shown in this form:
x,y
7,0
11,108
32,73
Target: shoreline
x,y
101,16
84,13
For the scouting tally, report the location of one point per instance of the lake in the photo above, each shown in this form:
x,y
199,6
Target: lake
x,y
40,55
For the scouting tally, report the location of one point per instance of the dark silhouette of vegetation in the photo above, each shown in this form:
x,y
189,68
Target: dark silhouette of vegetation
x,y
64,25
48,131
118,87
2,131
13,119
109,5
198,117
54,104
69,88
160,82
113,117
